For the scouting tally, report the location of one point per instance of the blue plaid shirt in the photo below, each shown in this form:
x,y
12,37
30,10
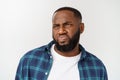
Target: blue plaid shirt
x,y
37,63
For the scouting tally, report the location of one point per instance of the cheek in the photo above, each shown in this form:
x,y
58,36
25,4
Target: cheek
x,y
72,33
54,35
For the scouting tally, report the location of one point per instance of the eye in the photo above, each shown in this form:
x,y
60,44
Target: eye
x,y
55,26
67,24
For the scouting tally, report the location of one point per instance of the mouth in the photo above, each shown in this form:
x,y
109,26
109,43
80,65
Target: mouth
x,y
63,39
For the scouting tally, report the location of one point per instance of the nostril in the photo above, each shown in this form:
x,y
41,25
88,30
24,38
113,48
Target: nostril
x,y
62,31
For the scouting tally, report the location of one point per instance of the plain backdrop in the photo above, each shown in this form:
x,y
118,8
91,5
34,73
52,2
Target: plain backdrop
x,y
26,24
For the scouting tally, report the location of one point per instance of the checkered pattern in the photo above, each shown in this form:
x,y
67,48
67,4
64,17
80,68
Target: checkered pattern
x,y
36,65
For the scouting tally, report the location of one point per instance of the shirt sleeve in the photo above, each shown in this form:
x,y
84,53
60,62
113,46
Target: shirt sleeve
x,y
105,74
19,72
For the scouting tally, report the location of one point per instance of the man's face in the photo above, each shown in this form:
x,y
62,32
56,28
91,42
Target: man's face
x,y
66,30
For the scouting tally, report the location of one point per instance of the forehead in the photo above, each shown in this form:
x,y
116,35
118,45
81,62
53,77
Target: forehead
x,y
64,14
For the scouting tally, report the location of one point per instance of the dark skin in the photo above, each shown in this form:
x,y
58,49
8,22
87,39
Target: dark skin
x,y
65,25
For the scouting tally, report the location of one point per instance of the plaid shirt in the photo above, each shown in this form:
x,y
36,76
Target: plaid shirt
x,y
37,63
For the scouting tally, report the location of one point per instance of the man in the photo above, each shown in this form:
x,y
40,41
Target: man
x,y
63,58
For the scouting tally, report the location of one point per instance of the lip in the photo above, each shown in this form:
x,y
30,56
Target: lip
x,y
62,38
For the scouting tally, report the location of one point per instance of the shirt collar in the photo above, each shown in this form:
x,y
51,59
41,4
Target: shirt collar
x,y
83,52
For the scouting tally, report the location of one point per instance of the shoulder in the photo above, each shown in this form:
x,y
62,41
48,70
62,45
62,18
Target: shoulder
x,y
90,58
93,66
37,54
94,61
97,65
34,54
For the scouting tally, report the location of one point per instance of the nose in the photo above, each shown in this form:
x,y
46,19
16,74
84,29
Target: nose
x,y
62,30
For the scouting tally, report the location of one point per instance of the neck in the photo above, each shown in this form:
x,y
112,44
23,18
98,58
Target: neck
x,y
74,52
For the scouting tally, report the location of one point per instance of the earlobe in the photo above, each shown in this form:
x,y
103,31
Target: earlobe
x,y
81,27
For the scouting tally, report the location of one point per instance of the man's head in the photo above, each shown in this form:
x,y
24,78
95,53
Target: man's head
x,y
67,26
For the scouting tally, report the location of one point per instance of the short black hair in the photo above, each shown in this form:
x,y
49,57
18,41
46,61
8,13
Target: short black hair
x,y
76,12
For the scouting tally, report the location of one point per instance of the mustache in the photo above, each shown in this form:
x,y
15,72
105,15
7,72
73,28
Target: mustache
x,y
72,42
63,35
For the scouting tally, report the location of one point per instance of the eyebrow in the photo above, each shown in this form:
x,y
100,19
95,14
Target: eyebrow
x,y
64,22
67,22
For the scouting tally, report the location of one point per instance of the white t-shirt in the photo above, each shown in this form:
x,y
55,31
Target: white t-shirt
x,y
64,68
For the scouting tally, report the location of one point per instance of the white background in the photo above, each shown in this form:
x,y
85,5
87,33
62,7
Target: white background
x,y
26,24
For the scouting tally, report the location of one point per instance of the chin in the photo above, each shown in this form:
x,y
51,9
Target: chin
x,y
63,43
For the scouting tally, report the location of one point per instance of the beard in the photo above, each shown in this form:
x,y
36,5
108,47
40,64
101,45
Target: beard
x,y
71,44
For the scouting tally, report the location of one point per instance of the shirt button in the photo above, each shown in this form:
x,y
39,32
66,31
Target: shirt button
x,y
46,73
50,56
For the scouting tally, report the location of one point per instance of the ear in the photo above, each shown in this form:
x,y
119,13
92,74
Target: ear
x,y
81,27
